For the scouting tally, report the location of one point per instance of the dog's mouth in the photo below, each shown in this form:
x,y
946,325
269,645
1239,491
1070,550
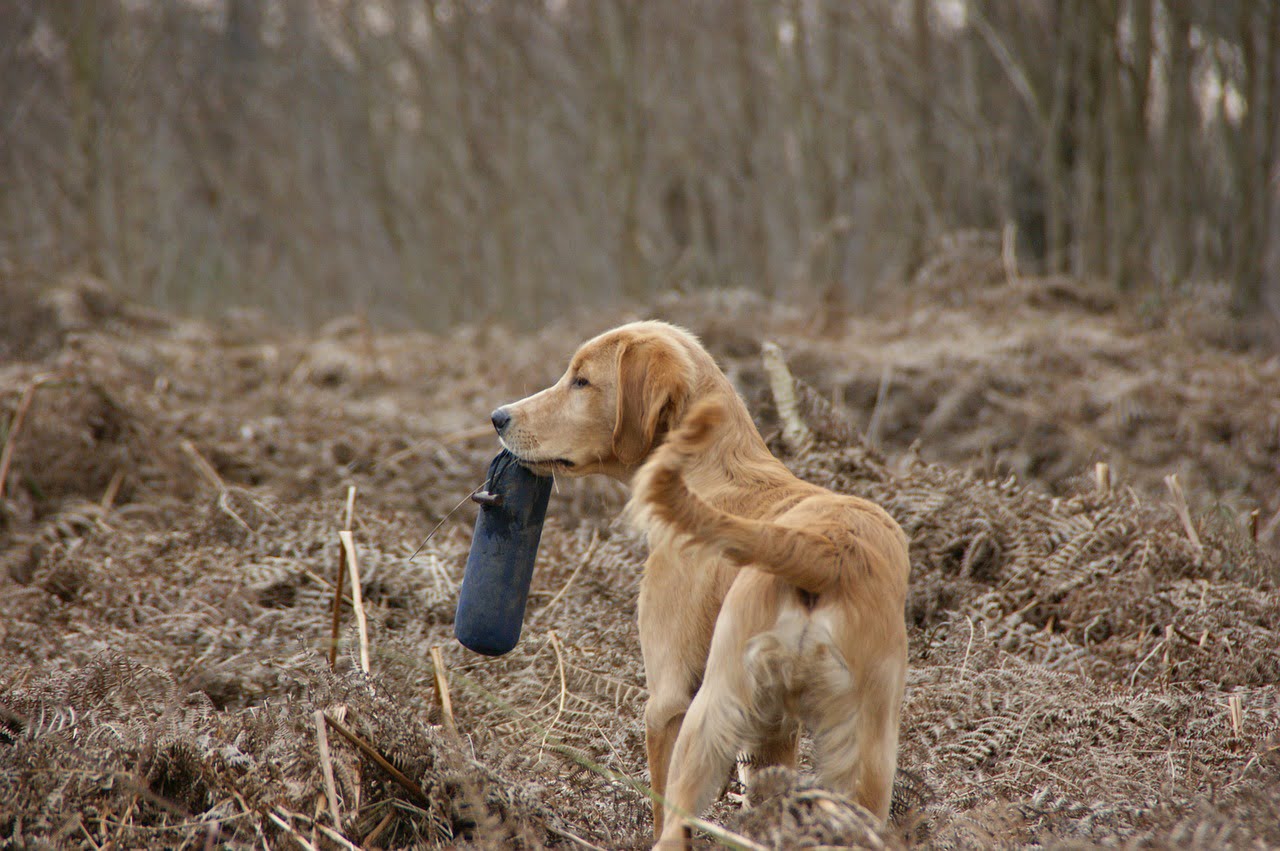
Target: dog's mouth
x,y
538,465
550,464
545,468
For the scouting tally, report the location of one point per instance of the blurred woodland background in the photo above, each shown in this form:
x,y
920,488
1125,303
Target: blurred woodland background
x,y
434,161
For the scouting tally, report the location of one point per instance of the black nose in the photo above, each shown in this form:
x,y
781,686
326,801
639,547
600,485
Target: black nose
x,y
500,419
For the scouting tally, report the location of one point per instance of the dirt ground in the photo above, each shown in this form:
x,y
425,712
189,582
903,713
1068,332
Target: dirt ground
x,y
1094,662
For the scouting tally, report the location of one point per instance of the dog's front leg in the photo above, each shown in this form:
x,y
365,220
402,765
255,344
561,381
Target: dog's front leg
x,y
672,680
703,755
675,608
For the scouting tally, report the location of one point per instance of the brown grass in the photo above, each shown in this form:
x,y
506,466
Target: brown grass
x,y
1082,673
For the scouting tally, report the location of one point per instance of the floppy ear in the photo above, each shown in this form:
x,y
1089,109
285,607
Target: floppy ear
x,y
653,386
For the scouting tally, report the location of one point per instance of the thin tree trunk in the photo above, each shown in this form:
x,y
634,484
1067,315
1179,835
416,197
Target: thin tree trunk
x,y
922,41
1259,42
82,25
1180,124
1059,149
1129,250
1094,73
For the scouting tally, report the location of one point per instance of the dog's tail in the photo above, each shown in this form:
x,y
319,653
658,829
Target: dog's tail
x,y
799,557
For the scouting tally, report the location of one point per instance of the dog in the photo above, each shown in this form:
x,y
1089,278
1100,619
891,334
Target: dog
x,y
767,603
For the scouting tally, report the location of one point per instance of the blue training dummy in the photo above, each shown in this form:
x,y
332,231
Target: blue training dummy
x,y
495,586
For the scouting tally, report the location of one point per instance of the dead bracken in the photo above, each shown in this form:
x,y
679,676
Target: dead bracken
x,y
1089,666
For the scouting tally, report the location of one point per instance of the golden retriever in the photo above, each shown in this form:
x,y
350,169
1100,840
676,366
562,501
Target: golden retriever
x,y
767,602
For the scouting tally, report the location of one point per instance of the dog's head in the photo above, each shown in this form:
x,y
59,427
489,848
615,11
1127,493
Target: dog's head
x,y
622,393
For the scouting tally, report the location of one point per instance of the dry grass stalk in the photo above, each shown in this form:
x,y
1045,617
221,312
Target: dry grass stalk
x,y
1236,710
357,601
1102,477
124,822
15,426
964,665
113,490
87,835
337,837
564,689
211,477
326,767
289,829
574,838
442,692
882,392
795,432
1184,513
336,620
325,829
374,754
351,508
203,467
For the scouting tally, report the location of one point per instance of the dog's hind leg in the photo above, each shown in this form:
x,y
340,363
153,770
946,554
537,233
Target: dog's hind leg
x,y
856,740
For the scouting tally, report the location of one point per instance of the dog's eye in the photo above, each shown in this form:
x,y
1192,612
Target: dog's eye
x,y
580,382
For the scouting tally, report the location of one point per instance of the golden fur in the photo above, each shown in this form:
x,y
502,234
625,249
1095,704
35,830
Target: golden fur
x,y
767,602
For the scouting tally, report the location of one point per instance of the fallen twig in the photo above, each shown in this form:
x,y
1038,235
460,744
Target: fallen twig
x,y
326,767
325,829
378,829
572,837
289,829
374,754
